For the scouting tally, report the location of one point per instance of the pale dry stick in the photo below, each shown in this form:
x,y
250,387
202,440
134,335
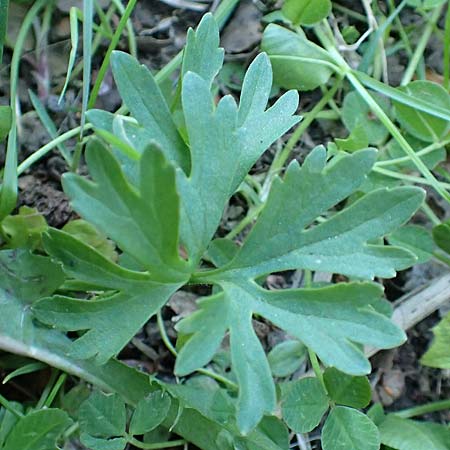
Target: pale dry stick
x,y
417,305
183,4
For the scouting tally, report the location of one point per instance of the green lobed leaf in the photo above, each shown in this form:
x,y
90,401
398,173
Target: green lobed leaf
x,y
150,412
297,62
327,319
406,434
38,430
227,140
303,404
103,415
349,429
306,12
143,98
419,124
134,299
202,54
438,355
347,390
24,279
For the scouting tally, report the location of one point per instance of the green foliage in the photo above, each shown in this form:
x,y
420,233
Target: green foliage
x,y
306,12
356,113
286,357
416,239
297,62
150,412
5,111
162,208
438,355
406,434
38,430
349,429
421,125
441,236
347,390
303,404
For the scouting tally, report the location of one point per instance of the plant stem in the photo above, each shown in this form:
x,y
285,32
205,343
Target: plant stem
x,y
56,388
418,53
38,154
423,409
425,151
316,367
410,178
155,446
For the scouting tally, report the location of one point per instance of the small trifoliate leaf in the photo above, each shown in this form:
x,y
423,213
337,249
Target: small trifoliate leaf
x,y
297,62
347,390
416,239
441,236
93,443
438,355
406,434
38,430
303,404
150,412
419,124
356,113
306,12
103,415
349,429
286,357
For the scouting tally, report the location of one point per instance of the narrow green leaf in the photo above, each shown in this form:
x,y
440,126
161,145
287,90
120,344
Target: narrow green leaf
x,y
438,355
73,49
103,415
306,12
3,25
303,404
38,430
150,412
347,390
297,62
349,429
406,434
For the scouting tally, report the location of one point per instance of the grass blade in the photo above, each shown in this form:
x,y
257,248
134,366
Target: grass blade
x,y
3,24
8,194
73,50
88,15
49,125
